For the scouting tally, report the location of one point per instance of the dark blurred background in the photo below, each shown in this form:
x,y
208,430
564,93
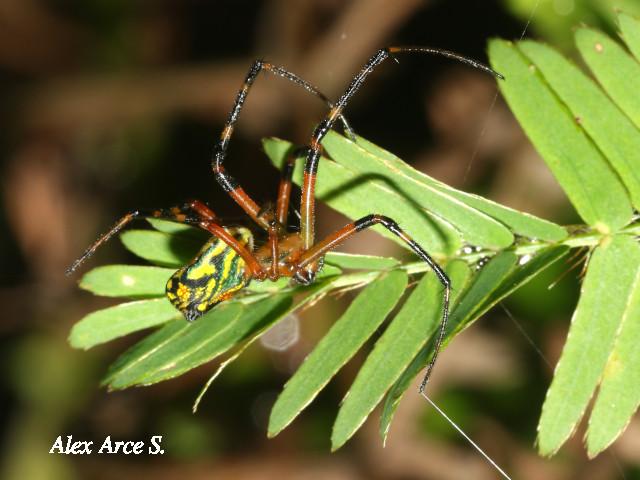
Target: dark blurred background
x,y
108,105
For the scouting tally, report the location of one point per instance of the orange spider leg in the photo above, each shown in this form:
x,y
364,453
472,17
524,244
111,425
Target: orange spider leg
x,y
193,212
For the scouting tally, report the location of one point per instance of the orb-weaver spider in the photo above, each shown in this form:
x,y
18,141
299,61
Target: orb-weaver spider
x,y
228,261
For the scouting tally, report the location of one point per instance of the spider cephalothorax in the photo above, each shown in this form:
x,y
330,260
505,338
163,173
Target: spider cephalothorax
x,y
228,261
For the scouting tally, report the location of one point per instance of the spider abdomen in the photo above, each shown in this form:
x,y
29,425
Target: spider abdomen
x,y
214,275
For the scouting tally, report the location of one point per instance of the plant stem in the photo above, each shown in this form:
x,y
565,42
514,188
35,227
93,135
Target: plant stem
x,y
582,236
586,238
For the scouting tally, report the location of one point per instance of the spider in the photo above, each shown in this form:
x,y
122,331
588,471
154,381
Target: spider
x,y
228,261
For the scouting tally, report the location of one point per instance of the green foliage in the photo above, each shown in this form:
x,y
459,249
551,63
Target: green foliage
x,y
519,223
616,70
630,32
188,346
500,223
344,339
588,134
582,171
473,225
130,281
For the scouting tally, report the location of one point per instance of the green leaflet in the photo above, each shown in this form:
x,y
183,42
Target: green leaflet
x,y
595,324
161,248
616,70
200,349
345,337
520,223
365,262
314,292
464,300
143,349
123,319
630,27
612,131
168,226
487,280
591,185
130,281
528,267
619,393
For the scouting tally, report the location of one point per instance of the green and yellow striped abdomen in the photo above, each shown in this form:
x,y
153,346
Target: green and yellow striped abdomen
x,y
214,275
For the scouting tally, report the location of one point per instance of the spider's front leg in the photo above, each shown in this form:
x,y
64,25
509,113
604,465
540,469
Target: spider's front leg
x,y
317,251
194,213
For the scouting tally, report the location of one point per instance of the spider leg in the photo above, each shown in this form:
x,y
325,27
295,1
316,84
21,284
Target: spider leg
x,y
275,249
279,225
226,181
284,189
307,205
309,257
192,213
